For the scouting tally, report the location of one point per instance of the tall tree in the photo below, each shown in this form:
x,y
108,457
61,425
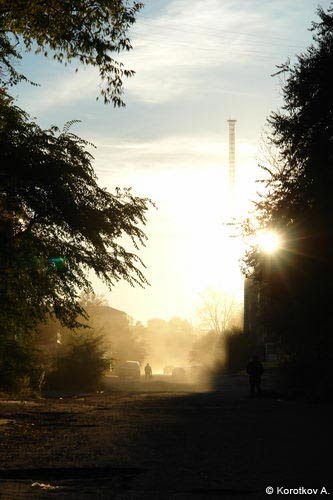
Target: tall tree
x,y
218,311
57,224
297,282
89,32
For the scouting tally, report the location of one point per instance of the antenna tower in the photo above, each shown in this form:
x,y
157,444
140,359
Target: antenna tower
x,y
232,126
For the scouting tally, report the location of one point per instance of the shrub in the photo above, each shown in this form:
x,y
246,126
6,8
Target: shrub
x,y
80,366
21,366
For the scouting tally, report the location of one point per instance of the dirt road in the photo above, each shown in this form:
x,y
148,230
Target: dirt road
x,y
163,441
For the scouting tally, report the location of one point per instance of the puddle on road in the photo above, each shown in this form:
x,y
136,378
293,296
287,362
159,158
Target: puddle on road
x,y
6,421
45,486
31,483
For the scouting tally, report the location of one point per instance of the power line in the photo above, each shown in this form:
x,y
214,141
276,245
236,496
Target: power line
x,y
219,33
223,41
235,51
222,50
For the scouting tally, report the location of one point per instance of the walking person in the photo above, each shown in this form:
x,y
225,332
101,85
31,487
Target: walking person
x,y
255,369
148,371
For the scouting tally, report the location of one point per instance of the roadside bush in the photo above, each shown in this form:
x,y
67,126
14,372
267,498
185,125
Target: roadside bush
x,y
80,365
21,367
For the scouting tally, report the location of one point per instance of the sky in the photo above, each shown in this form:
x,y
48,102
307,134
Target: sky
x,y
198,63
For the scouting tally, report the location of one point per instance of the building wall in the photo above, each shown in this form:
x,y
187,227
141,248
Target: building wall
x,y
253,303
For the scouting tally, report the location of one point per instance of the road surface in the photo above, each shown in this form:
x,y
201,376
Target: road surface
x,y
163,441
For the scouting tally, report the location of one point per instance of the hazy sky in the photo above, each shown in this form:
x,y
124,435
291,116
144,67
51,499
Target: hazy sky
x,y
198,63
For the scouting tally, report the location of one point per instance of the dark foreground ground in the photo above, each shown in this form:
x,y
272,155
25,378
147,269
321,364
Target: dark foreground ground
x,y
163,441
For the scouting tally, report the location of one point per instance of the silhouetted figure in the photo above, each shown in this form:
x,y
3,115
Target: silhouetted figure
x,y
148,371
255,370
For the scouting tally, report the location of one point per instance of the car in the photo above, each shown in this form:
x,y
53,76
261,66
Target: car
x,y
129,370
168,369
178,374
196,371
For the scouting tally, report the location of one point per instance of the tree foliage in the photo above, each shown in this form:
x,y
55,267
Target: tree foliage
x,y
105,339
57,224
297,282
89,32
21,365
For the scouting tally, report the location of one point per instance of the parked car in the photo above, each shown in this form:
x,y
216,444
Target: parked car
x,y
178,374
168,369
129,370
196,371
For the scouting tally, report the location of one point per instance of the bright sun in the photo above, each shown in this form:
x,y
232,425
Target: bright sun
x,y
268,241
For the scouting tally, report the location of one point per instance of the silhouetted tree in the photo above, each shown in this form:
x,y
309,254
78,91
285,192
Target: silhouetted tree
x,y
21,365
218,311
297,282
57,224
85,31
108,331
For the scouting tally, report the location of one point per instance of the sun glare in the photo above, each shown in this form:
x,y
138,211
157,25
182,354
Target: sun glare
x,y
268,241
